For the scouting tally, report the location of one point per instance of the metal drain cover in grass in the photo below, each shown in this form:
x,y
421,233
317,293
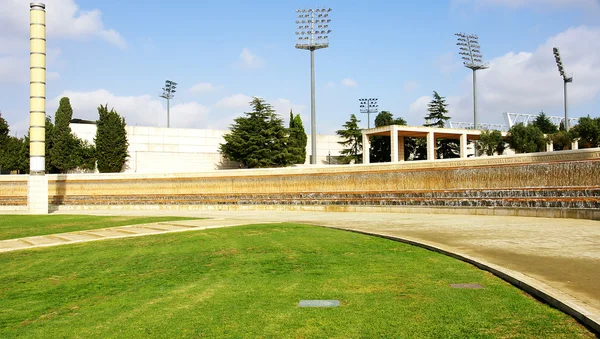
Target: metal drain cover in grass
x,y
470,286
319,303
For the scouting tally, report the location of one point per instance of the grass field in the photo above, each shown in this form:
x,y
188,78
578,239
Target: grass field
x,y
19,226
246,282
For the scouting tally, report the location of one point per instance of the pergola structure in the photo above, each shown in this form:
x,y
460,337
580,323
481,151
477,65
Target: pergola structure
x,y
397,133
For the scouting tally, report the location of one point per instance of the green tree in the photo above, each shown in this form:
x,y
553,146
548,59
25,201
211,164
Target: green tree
x,y
490,142
437,116
9,149
50,168
526,139
257,139
561,140
111,141
544,124
64,143
297,139
588,132
352,140
380,150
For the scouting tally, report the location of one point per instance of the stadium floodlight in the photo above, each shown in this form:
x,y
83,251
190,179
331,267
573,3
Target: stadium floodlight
x,y
168,93
313,33
368,106
470,50
566,79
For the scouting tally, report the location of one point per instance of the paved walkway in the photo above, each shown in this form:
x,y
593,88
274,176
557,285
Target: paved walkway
x,y
558,256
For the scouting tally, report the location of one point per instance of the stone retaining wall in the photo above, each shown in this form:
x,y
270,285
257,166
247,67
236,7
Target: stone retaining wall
x,y
568,180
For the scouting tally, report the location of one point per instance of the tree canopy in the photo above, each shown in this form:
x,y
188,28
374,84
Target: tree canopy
x,y
438,113
297,139
526,139
352,139
380,150
257,139
490,142
588,132
111,141
544,124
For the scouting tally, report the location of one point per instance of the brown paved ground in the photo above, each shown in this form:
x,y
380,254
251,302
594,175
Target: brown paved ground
x,y
562,253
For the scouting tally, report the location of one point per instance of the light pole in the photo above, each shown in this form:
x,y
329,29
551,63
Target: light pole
x,y
472,58
368,106
168,93
312,32
566,80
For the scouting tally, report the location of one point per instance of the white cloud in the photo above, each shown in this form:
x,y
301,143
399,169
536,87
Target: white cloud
x,y
141,110
235,101
410,86
249,60
203,87
64,20
527,82
349,82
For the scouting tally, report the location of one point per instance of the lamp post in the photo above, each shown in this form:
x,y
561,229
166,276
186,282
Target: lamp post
x,y
472,58
368,106
168,93
312,32
566,79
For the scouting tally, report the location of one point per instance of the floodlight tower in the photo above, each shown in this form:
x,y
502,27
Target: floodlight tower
x,y
472,58
566,80
312,32
168,93
369,106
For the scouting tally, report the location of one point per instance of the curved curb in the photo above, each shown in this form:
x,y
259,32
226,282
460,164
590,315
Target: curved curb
x,y
551,296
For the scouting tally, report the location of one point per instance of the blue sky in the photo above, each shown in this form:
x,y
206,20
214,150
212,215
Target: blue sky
x,y
224,52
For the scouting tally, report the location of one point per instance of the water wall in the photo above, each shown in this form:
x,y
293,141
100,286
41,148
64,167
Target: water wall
x,y
549,184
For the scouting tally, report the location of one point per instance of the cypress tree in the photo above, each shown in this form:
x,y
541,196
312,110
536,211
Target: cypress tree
x,y
297,139
63,142
111,141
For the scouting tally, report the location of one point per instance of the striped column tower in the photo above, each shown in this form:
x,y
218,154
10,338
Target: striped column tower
x,y
37,197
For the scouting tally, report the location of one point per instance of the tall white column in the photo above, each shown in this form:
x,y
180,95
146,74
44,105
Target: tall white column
x,y
37,187
366,148
463,145
394,143
400,149
430,146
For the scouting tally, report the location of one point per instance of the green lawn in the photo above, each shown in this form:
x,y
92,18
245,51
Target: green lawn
x,y
19,226
246,282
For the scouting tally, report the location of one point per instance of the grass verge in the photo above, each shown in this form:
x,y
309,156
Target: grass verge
x,y
19,226
246,282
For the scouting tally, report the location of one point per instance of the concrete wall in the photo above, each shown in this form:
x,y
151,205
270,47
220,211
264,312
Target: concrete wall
x,y
181,150
557,181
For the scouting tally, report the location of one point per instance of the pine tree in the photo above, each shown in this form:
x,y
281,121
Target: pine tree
x,y
111,141
437,112
297,139
352,139
258,139
437,117
381,146
544,124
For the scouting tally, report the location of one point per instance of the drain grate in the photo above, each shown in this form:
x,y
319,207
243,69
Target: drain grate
x,y
319,303
469,286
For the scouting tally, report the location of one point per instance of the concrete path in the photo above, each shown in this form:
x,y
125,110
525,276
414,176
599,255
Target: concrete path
x,y
560,257
119,232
